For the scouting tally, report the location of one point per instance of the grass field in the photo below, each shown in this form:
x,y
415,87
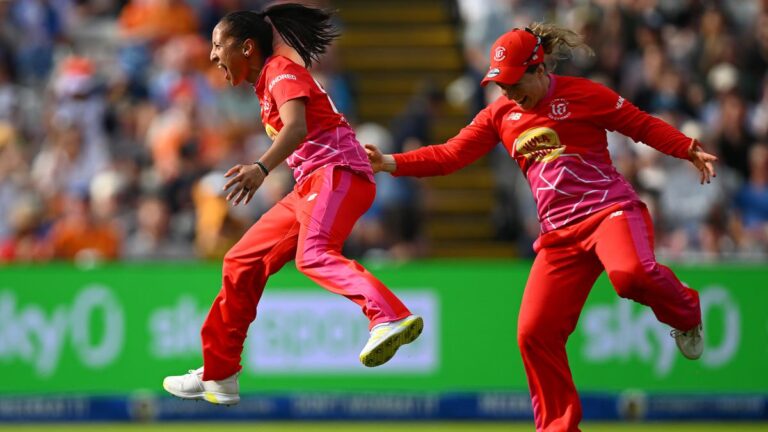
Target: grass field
x,y
373,427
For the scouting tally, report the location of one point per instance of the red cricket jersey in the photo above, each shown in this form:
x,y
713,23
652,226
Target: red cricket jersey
x,y
560,145
329,141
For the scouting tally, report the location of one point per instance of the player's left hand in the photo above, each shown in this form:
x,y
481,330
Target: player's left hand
x,y
246,181
703,161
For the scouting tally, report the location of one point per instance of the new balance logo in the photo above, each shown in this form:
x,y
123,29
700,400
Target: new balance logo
x,y
279,78
616,213
515,116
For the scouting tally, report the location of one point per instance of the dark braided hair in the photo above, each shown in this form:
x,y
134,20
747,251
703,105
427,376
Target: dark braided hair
x,y
307,30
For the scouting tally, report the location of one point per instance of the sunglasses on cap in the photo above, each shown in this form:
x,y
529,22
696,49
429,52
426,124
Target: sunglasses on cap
x,y
535,48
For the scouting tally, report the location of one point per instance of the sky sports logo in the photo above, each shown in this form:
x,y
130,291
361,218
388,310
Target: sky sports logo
x,y
317,332
301,331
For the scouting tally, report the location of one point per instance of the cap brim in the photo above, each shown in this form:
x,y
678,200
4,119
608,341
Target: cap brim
x,y
505,75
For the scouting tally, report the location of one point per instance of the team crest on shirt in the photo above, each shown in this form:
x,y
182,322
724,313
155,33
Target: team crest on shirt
x,y
540,144
266,106
558,109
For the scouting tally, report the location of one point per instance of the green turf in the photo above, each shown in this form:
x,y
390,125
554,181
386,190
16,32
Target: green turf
x,y
382,426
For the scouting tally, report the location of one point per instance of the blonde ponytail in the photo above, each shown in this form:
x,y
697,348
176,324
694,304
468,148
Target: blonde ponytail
x,y
559,42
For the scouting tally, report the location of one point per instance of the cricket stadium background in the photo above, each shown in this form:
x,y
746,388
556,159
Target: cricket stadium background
x,y
114,120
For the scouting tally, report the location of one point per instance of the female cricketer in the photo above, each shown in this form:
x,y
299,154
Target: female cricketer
x,y
334,187
591,218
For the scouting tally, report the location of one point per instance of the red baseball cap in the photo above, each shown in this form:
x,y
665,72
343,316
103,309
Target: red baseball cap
x,y
511,55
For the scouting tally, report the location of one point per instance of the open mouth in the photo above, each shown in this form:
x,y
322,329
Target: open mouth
x,y
226,71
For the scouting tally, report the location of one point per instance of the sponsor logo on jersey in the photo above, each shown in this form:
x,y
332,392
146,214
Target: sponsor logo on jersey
x,y
558,109
515,116
271,131
540,144
500,54
620,102
279,78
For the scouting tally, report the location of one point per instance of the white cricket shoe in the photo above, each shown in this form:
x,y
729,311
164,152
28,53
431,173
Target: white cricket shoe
x,y
386,338
192,386
690,343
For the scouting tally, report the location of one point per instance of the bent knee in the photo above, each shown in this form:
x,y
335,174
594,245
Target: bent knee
x,y
230,260
629,280
532,335
307,263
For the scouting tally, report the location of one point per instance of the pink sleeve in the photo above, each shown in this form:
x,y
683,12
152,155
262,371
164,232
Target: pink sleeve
x,y
615,113
470,144
291,82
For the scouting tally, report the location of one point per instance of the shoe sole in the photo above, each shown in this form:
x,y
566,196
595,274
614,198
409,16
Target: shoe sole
x,y
688,355
407,332
695,355
212,397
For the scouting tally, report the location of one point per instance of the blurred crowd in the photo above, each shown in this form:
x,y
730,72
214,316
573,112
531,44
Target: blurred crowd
x,y
115,132
115,129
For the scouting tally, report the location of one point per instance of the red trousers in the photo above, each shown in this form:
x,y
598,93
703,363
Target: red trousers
x,y
309,225
618,240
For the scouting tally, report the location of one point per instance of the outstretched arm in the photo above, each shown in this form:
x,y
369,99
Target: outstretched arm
x,y
614,113
469,145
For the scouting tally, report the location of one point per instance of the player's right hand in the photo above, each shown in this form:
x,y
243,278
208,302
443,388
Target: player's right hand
x,y
245,181
379,161
374,157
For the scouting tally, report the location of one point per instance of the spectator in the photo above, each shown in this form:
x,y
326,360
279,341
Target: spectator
x,y
153,239
83,236
42,26
66,163
155,21
732,135
752,201
144,25
13,177
217,228
27,240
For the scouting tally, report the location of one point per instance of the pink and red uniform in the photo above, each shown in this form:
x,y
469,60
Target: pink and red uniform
x,y
334,188
591,220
